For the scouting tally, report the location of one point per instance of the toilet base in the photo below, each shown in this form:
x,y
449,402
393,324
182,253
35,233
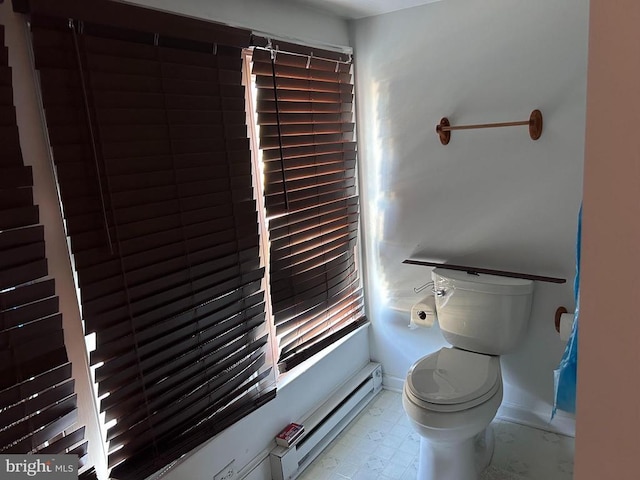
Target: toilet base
x,y
456,461
485,443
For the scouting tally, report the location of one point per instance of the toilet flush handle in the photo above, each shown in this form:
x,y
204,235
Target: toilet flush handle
x,y
440,293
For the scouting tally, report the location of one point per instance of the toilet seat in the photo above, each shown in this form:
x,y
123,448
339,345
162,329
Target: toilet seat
x,y
451,380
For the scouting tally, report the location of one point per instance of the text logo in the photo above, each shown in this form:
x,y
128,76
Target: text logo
x,y
49,467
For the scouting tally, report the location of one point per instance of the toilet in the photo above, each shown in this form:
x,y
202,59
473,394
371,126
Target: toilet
x,y
452,395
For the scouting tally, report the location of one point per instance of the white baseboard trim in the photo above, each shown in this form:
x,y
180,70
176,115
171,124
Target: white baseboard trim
x,y
563,423
392,383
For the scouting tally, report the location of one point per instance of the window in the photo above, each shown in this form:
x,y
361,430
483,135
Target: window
x,y
147,122
308,153
148,138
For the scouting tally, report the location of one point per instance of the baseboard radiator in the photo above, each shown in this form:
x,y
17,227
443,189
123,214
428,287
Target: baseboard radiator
x,y
326,422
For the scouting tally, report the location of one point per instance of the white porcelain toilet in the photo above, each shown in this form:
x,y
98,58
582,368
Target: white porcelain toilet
x,y
451,396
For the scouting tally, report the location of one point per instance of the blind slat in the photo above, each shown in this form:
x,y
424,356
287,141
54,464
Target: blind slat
x,y
22,317
191,408
179,342
296,330
167,303
28,272
194,377
107,268
311,307
34,424
316,281
41,402
229,312
228,280
29,386
51,430
65,442
315,335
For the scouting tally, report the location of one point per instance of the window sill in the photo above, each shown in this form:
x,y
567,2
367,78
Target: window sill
x,y
286,378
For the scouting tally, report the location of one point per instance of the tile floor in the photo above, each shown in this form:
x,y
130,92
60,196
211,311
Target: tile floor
x,y
380,445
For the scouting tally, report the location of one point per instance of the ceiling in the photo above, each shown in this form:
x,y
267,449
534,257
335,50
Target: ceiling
x,y
353,9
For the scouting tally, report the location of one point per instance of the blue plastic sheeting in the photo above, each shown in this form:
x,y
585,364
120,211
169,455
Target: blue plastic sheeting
x,y
565,376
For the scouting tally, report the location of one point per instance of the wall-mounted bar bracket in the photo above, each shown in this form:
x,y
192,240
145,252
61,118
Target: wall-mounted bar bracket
x,y
444,128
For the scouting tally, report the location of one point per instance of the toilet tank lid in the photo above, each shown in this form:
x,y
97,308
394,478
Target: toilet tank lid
x,y
452,376
484,282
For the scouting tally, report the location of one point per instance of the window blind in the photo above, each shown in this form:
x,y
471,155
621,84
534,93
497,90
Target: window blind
x,y
38,412
305,116
149,141
89,474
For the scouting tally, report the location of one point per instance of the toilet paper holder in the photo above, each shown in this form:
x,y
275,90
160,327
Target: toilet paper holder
x,y
423,287
559,312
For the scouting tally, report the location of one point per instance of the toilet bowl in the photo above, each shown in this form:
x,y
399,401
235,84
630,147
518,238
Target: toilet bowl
x,y
451,397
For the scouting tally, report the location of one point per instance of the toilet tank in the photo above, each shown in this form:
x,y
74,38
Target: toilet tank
x,y
482,313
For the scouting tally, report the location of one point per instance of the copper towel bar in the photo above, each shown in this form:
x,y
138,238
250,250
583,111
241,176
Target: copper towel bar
x,y
444,128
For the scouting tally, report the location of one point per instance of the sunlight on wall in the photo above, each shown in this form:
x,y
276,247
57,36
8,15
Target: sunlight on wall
x,y
376,201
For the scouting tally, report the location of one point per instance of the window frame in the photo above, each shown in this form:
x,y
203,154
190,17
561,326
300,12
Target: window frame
x,y
310,56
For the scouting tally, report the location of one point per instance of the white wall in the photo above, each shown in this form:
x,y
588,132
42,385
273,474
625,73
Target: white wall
x,y
278,17
491,198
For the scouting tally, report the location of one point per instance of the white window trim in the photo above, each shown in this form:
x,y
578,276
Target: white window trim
x,y
257,174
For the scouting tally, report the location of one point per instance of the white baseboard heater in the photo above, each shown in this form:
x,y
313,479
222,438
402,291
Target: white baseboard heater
x,y
326,422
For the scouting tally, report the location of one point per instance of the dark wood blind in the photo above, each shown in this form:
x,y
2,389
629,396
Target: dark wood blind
x,y
89,474
309,154
38,412
149,140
